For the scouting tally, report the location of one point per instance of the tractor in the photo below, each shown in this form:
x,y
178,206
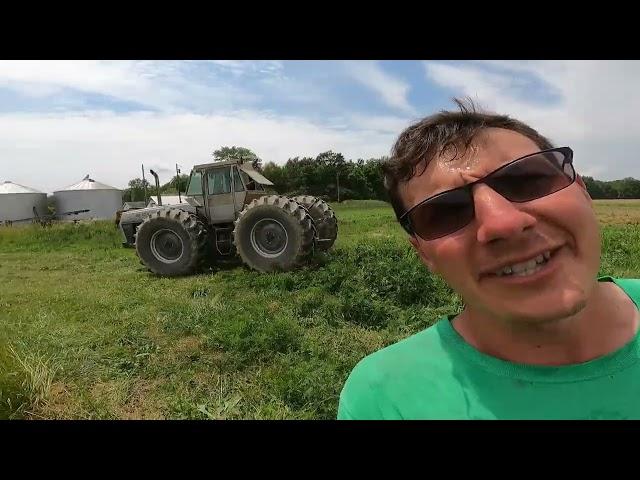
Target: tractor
x,y
230,210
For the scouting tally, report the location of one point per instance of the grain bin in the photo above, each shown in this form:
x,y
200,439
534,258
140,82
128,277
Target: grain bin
x,y
17,202
102,200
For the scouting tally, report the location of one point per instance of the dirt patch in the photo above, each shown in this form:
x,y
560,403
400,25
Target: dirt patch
x,y
108,389
122,399
379,235
155,334
273,306
141,403
189,344
58,406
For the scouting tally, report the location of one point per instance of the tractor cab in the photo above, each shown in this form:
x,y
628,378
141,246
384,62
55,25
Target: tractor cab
x,y
222,189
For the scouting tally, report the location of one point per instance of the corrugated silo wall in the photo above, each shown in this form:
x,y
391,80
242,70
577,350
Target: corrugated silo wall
x,y
16,206
102,204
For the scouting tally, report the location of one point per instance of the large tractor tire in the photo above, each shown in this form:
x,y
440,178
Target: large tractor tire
x,y
172,242
274,233
324,219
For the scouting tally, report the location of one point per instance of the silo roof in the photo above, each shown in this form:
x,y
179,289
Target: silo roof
x,y
10,187
87,184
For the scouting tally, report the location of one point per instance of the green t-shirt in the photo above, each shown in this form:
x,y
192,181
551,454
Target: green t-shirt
x,y
435,374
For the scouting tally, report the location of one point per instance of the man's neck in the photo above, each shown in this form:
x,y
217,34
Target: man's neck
x,y
607,322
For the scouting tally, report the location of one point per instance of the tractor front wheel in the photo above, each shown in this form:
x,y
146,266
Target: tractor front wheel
x,y
171,242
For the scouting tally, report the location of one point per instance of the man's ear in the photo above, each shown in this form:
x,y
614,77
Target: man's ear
x,y
416,244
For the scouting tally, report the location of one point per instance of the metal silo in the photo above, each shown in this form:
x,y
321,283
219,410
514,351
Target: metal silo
x,y
17,202
102,200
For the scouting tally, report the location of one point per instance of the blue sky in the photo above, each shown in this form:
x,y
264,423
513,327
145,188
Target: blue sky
x,y
60,120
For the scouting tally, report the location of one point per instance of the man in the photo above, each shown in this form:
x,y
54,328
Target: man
x,y
500,214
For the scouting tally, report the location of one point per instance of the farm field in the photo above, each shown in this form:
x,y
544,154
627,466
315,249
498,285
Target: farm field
x,y
87,333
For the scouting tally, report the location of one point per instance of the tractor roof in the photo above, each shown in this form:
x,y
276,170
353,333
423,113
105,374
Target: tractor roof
x,y
246,167
221,163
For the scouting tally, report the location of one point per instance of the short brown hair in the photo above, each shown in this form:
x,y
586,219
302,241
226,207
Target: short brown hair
x,y
433,135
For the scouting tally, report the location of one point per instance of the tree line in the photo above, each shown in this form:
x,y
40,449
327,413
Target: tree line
x,y
626,188
332,177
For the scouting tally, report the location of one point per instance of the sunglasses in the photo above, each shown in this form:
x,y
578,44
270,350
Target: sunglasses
x,y
522,180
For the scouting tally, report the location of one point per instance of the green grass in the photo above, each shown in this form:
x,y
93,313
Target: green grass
x,y
87,332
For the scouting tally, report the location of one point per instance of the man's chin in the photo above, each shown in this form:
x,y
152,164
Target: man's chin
x,y
540,313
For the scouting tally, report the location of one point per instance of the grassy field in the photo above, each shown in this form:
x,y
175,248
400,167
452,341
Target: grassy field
x,y
87,332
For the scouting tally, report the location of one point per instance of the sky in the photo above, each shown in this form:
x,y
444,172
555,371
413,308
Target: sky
x,y
62,120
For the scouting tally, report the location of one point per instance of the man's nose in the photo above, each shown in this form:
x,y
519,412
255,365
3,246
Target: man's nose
x,y
497,217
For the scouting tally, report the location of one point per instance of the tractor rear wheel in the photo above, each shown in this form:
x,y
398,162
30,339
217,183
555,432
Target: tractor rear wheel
x,y
274,233
171,242
324,219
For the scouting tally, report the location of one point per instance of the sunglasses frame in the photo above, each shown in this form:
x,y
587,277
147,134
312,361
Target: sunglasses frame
x,y
405,220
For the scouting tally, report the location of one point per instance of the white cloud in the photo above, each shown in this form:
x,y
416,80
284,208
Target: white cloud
x,y
301,91
393,91
50,151
243,67
598,112
163,85
387,125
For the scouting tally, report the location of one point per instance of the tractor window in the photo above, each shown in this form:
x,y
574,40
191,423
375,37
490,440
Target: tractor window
x,y
237,183
219,181
195,184
249,182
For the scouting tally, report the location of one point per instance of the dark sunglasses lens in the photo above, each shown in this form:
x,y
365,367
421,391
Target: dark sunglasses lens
x,y
533,177
442,215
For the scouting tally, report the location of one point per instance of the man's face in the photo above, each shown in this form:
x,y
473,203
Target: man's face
x,y
505,233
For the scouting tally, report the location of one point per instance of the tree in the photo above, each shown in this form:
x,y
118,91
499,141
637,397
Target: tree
x,y
239,153
627,187
375,178
330,172
607,189
277,175
634,188
177,181
321,175
593,187
135,192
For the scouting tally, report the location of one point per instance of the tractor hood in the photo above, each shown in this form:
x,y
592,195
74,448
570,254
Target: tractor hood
x,y
246,168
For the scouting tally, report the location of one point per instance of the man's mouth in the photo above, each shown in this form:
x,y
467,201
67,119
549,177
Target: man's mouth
x,y
524,268
528,267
